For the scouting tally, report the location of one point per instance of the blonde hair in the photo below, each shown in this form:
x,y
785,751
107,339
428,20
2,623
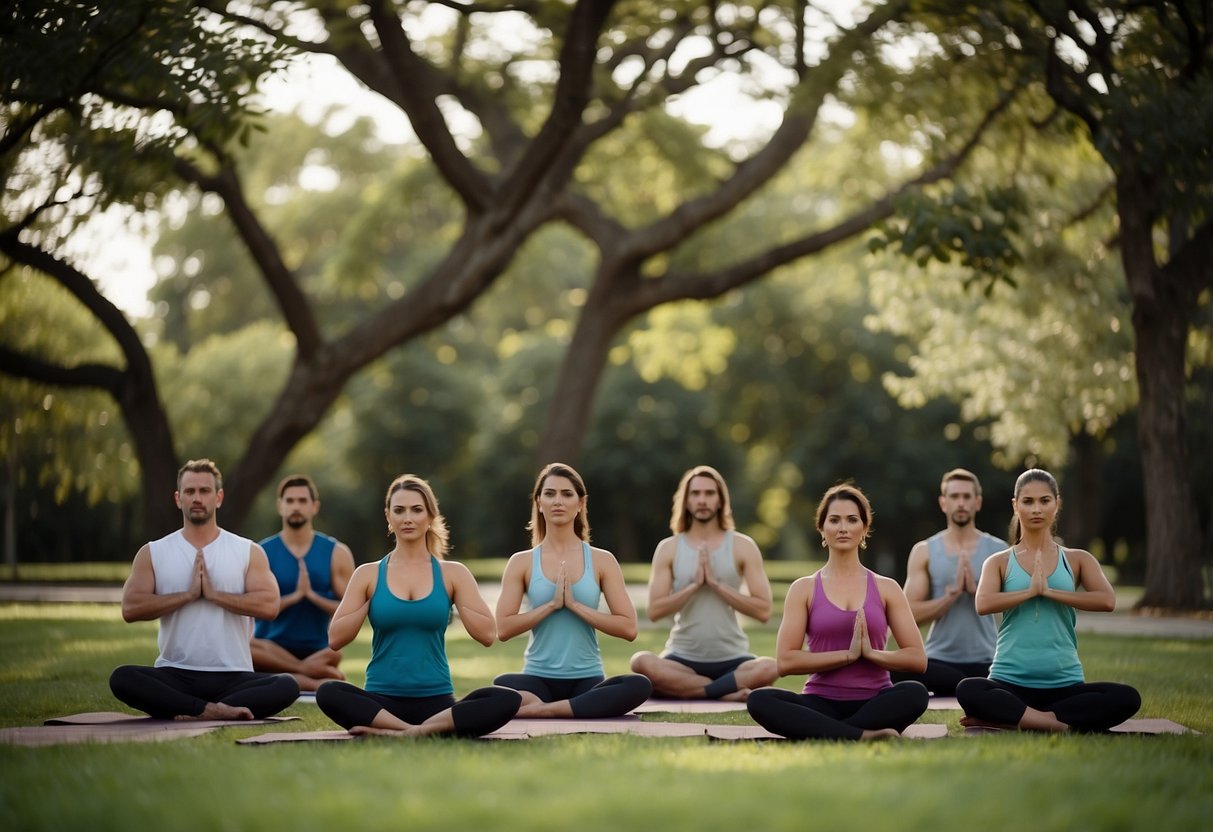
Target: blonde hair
x,y
437,538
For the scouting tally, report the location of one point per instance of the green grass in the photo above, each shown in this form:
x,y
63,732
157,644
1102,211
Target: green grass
x,y
54,659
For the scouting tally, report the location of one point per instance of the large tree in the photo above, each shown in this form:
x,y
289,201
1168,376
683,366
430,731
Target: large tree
x,y
127,102
1137,80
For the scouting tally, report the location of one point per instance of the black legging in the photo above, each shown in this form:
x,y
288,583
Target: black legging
x,y
941,678
1086,707
167,692
591,697
800,716
481,712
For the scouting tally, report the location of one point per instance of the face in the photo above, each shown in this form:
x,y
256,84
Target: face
x,y
407,515
844,527
960,502
296,506
1036,506
703,499
197,497
558,501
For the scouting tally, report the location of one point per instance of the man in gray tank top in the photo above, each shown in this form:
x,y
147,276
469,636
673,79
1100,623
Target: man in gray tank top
x,y
698,576
941,580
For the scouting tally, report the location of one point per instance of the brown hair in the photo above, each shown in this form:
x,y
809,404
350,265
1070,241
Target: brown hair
x,y
679,516
296,480
539,524
1015,533
437,538
846,491
959,474
201,466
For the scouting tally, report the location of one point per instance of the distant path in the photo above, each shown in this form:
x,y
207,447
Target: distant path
x,y
1111,623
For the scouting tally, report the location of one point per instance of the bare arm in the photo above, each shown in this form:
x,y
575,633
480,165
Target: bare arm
x,y
260,596
473,612
756,600
909,655
990,598
340,569
620,621
792,655
918,587
139,599
1096,595
510,621
663,600
354,606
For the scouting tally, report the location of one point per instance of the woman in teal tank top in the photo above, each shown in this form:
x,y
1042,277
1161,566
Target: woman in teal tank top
x,y
1036,680
408,597
563,578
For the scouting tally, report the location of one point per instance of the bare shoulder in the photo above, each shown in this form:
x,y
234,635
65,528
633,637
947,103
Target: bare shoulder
x,y
519,564
919,554
455,569
744,546
666,548
887,586
802,587
1079,557
603,556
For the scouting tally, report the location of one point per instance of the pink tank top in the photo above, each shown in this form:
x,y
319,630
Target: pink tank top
x,y
830,628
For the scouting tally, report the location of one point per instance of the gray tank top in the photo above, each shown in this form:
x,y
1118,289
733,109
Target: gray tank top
x,y
706,629
960,634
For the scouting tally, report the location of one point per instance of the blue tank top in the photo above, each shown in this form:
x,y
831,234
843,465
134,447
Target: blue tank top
x,y
408,648
829,628
563,645
1037,645
301,626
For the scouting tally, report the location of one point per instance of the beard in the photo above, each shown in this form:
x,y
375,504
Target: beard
x,y
296,521
962,519
199,518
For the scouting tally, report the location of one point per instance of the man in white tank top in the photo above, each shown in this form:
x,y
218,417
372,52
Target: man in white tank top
x,y
698,576
941,581
205,585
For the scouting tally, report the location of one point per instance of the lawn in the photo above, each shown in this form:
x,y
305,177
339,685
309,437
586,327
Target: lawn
x,y
54,659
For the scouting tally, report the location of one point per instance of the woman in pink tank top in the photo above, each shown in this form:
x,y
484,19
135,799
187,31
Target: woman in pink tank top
x,y
844,612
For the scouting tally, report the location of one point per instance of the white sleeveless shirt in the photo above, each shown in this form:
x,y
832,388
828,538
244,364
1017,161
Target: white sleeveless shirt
x,y
202,635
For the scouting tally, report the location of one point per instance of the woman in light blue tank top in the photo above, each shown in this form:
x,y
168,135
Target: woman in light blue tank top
x,y
408,597
563,578
1036,680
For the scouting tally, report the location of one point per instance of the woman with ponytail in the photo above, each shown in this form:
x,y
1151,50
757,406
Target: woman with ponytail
x,y
1036,681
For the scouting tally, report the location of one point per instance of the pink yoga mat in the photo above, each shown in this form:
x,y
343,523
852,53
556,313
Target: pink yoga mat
x,y
1129,726
688,706
118,720
918,731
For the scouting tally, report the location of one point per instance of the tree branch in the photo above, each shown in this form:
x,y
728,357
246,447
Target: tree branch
x,y
417,93
296,310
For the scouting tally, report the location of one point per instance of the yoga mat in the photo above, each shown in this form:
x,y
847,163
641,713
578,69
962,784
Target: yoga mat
x,y
943,703
688,706
116,727
619,725
917,731
1129,726
341,735
118,720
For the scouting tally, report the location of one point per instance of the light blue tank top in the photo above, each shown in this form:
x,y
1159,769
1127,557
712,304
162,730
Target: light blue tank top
x,y
408,648
563,645
960,634
1037,645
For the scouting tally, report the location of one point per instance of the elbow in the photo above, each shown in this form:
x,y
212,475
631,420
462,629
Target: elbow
x,y
919,664
763,615
129,615
629,632
1109,604
783,666
486,639
983,607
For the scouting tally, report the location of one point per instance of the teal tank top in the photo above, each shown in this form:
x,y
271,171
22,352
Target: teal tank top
x,y
1037,645
408,648
563,645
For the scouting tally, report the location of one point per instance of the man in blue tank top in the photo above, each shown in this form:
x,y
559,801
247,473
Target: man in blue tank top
x,y
941,581
312,570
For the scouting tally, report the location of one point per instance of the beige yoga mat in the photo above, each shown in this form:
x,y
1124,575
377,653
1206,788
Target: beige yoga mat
x,y
520,729
1129,726
917,731
117,727
688,706
943,703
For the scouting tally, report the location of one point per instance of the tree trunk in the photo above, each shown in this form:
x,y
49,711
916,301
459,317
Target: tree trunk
x,y
1080,519
1162,314
566,425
